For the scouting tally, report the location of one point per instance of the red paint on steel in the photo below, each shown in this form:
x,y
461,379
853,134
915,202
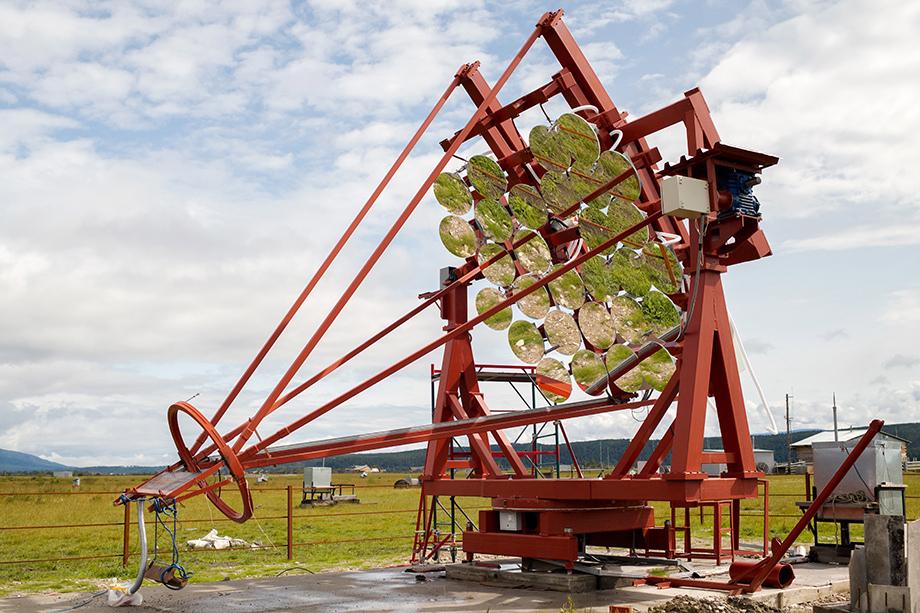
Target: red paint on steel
x,y
229,460
781,575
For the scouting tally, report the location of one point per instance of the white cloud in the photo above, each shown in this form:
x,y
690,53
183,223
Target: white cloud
x,y
886,236
830,90
172,176
902,308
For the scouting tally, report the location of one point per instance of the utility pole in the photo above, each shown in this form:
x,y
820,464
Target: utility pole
x,y
788,440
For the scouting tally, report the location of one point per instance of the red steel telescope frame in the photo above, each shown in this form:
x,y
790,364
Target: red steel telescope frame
x,y
559,516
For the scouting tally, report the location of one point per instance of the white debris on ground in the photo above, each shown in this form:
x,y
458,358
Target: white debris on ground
x,y
212,541
119,595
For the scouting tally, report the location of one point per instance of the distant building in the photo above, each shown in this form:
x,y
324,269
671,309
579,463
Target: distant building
x,y
763,459
803,450
67,474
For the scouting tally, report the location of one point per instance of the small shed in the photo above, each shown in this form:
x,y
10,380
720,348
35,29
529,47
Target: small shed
x,y
804,452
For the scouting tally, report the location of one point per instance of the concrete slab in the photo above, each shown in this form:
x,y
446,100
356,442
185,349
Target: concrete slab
x,y
557,582
392,589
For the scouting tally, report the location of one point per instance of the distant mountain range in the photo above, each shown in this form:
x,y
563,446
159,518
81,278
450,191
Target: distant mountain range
x,y
16,462
589,453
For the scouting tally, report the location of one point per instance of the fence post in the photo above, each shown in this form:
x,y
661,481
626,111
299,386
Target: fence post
x,y
127,538
290,522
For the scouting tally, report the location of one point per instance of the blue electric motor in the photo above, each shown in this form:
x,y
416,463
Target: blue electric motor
x,y
741,186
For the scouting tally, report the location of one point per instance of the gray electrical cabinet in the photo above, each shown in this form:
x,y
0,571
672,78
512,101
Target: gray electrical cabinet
x,y
877,472
317,477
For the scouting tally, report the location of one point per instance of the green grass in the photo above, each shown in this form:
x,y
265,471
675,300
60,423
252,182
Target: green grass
x,y
384,512
326,538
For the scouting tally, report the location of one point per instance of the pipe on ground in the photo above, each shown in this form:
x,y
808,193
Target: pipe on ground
x,y
780,575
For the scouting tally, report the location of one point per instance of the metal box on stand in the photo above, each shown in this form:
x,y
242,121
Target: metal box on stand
x,y
876,470
317,477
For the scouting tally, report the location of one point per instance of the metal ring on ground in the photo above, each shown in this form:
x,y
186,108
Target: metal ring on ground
x,y
226,453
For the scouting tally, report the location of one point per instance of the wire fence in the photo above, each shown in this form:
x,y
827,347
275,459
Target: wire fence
x,y
280,512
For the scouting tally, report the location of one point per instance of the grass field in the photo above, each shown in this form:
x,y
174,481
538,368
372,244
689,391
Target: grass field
x,y
377,532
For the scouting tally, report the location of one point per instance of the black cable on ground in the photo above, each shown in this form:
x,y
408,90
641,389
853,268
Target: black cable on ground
x,y
81,604
287,570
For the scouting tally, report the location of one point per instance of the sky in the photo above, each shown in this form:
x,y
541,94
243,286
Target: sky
x,y
172,175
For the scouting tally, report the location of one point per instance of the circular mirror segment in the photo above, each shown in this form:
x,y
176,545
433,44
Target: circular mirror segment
x,y
494,220
526,342
554,380
452,193
486,176
458,236
588,369
487,298
562,332
534,304
502,271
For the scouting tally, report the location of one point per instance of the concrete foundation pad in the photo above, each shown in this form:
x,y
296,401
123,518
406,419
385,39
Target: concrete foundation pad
x,y
794,594
389,589
559,582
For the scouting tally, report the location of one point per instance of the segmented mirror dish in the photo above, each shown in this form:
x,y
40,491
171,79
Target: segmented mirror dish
x,y
628,319
662,267
577,137
486,176
487,298
527,206
629,273
632,380
494,220
534,304
575,168
526,342
567,290
458,236
562,332
554,380
534,254
452,193
588,369
501,272
600,282
659,312
597,325
547,150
